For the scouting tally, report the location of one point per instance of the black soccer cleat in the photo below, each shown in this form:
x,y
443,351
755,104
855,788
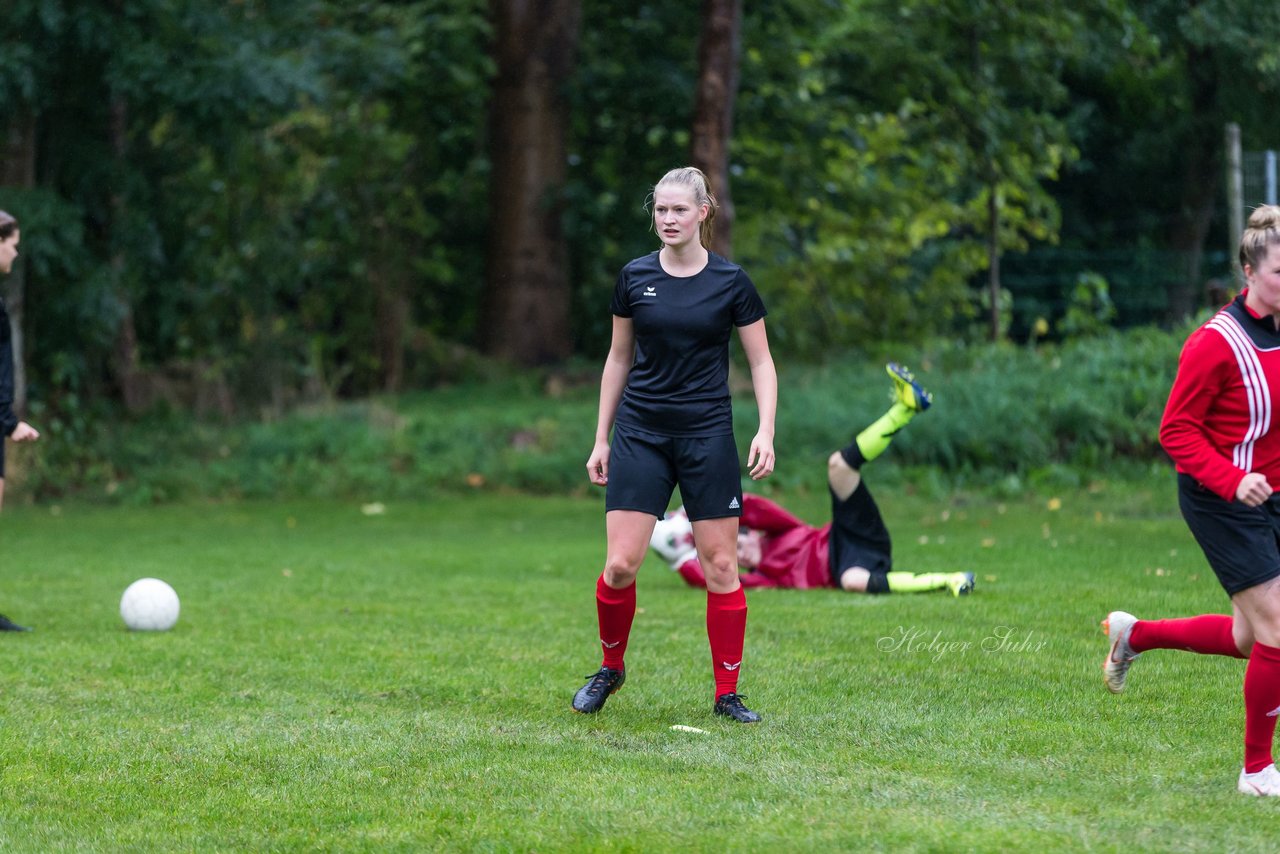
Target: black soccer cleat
x,y
730,705
590,697
7,625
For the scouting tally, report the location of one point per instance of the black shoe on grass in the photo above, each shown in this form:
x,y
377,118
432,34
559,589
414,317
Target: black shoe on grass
x,y
730,705
7,625
590,697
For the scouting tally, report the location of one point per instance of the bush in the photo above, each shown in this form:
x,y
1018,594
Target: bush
x,y
1002,414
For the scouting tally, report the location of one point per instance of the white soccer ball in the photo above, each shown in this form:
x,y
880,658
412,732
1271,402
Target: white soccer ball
x,y
673,537
149,605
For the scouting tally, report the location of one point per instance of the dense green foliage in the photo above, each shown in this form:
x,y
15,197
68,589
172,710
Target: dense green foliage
x,y
289,199
1012,415
283,173
348,682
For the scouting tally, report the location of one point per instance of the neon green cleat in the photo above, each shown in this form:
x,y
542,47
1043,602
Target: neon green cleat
x,y
960,583
906,390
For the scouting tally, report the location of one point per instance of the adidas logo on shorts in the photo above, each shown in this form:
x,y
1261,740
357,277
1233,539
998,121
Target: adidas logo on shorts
x,y
733,505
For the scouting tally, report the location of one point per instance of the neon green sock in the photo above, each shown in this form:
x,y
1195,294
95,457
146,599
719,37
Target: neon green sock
x,y
873,440
910,582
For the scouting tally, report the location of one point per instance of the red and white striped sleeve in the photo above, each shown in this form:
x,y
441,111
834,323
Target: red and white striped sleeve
x,y
1194,424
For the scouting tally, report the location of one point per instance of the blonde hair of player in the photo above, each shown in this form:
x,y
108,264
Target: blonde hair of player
x,y
1262,232
695,181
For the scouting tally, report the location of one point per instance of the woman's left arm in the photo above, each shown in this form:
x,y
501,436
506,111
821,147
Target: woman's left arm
x,y
764,381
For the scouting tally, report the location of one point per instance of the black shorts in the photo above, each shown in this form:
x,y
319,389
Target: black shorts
x,y
2,441
1241,543
858,535
645,469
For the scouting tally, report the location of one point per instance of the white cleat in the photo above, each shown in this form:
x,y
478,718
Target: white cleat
x,y
1260,783
1115,667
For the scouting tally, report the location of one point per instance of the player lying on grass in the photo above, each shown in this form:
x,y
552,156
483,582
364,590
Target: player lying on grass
x,y
852,552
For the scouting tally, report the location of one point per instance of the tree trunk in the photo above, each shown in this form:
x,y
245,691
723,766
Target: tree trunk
x,y
125,364
18,170
392,310
993,256
525,313
718,52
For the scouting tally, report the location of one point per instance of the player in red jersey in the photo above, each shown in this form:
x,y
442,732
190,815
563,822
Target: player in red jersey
x,y
852,552
1219,428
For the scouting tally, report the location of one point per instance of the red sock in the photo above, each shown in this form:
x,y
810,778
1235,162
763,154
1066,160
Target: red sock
x,y
691,572
727,631
1207,634
1261,705
615,610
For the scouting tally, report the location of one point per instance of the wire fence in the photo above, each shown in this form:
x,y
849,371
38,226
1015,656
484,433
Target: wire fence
x,y
1258,178
1139,282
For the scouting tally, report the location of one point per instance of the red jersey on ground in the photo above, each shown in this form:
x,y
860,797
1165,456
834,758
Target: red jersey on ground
x,y
1217,423
793,554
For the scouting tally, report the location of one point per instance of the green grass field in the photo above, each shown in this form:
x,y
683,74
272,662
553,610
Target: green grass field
x,y
341,681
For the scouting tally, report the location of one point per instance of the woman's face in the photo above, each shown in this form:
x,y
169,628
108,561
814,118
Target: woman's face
x,y
676,217
9,251
1264,283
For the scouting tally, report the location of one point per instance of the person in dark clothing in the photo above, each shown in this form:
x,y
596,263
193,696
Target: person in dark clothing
x,y
664,396
11,426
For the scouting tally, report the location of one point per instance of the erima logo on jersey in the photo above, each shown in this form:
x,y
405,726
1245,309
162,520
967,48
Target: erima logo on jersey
x,y
727,666
733,505
649,291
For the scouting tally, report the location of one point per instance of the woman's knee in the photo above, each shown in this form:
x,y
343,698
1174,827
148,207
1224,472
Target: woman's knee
x,y
1256,615
854,580
721,577
621,570
842,477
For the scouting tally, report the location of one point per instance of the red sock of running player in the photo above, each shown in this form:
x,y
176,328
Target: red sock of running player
x,y
615,610
727,631
1207,634
1261,705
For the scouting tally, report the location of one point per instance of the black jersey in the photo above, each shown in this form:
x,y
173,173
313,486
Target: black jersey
x,y
679,384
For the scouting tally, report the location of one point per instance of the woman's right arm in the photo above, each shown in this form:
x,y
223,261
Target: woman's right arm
x,y
1202,368
617,366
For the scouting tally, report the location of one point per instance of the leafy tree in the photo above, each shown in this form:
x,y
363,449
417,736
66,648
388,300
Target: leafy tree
x,y
844,235
265,188
242,205
1151,110
626,131
975,88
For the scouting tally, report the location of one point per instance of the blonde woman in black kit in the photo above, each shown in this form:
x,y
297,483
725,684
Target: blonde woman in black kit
x,y
664,394
10,426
